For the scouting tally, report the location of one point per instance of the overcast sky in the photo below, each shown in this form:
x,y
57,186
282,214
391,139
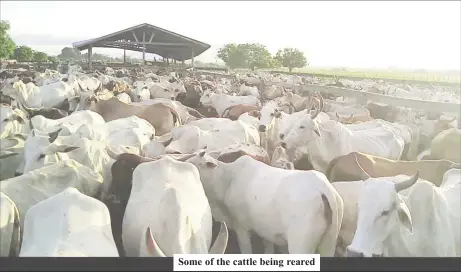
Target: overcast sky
x,y
368,34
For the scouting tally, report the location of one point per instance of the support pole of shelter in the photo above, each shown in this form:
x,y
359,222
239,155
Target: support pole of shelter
x,y
124,56
144,48
90,57
193,55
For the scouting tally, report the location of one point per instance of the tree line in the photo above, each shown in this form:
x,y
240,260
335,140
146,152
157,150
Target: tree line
x,y
257,56
248,55
9,50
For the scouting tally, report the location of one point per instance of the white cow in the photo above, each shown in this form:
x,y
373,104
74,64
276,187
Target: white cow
x,y
188,139
168,198
35,186
11,155
48,96
68,224
124,97
39,152
42,123
300,209
223,101
328,140
12,121
408,219
10,239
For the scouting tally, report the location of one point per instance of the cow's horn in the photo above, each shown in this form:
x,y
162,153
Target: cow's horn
x,y
407,183
167,142
152,247
53,135
81,89
186,157
220,244
111,153
99,88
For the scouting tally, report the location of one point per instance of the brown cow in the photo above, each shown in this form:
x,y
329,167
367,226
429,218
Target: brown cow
x,y
357,166
446,145
160,116
208,111
232,153
233,112
117,87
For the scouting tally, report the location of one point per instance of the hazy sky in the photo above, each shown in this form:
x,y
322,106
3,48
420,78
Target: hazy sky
x,y
353,34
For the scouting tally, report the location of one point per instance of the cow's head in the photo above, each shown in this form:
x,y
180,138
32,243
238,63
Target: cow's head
x,y
306,128
269,113
11,120
205,99
38,152
280,159
381,211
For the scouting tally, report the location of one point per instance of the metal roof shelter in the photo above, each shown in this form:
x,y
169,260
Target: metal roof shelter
x,y
147,38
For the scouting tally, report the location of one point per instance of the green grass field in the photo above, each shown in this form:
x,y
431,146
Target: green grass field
x,y
429,76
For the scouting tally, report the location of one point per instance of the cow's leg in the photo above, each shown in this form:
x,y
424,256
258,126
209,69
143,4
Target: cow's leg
x,y
304,235
244,240
268,247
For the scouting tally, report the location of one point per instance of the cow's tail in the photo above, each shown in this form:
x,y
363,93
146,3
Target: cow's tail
x,y
330,168
226,112
333,210
15,245
414,145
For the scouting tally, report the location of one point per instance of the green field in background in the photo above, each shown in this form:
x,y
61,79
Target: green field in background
x,y
383,74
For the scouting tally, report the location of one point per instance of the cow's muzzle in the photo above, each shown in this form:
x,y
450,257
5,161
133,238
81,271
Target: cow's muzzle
x,y
262,128
283,144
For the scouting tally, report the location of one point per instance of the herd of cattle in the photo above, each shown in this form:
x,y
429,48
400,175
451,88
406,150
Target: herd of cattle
x,y
138,164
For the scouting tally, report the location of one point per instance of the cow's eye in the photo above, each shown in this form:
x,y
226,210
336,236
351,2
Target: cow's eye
x,y
41,156
384,213
302,127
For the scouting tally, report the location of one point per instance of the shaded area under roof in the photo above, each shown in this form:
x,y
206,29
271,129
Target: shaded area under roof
x,y
158,41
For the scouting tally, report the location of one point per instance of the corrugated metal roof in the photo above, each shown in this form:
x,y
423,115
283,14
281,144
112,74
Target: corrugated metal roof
x,y
178,53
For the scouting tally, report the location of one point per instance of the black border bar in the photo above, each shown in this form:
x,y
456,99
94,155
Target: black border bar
x,y
166,264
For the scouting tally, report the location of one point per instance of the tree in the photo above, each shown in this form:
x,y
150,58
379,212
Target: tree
x,y
52,59
23,53
248,55
7,45
40,56
291,58
257,56
70,53
233,55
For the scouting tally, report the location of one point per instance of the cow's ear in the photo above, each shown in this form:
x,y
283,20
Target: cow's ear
x,y
405,216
